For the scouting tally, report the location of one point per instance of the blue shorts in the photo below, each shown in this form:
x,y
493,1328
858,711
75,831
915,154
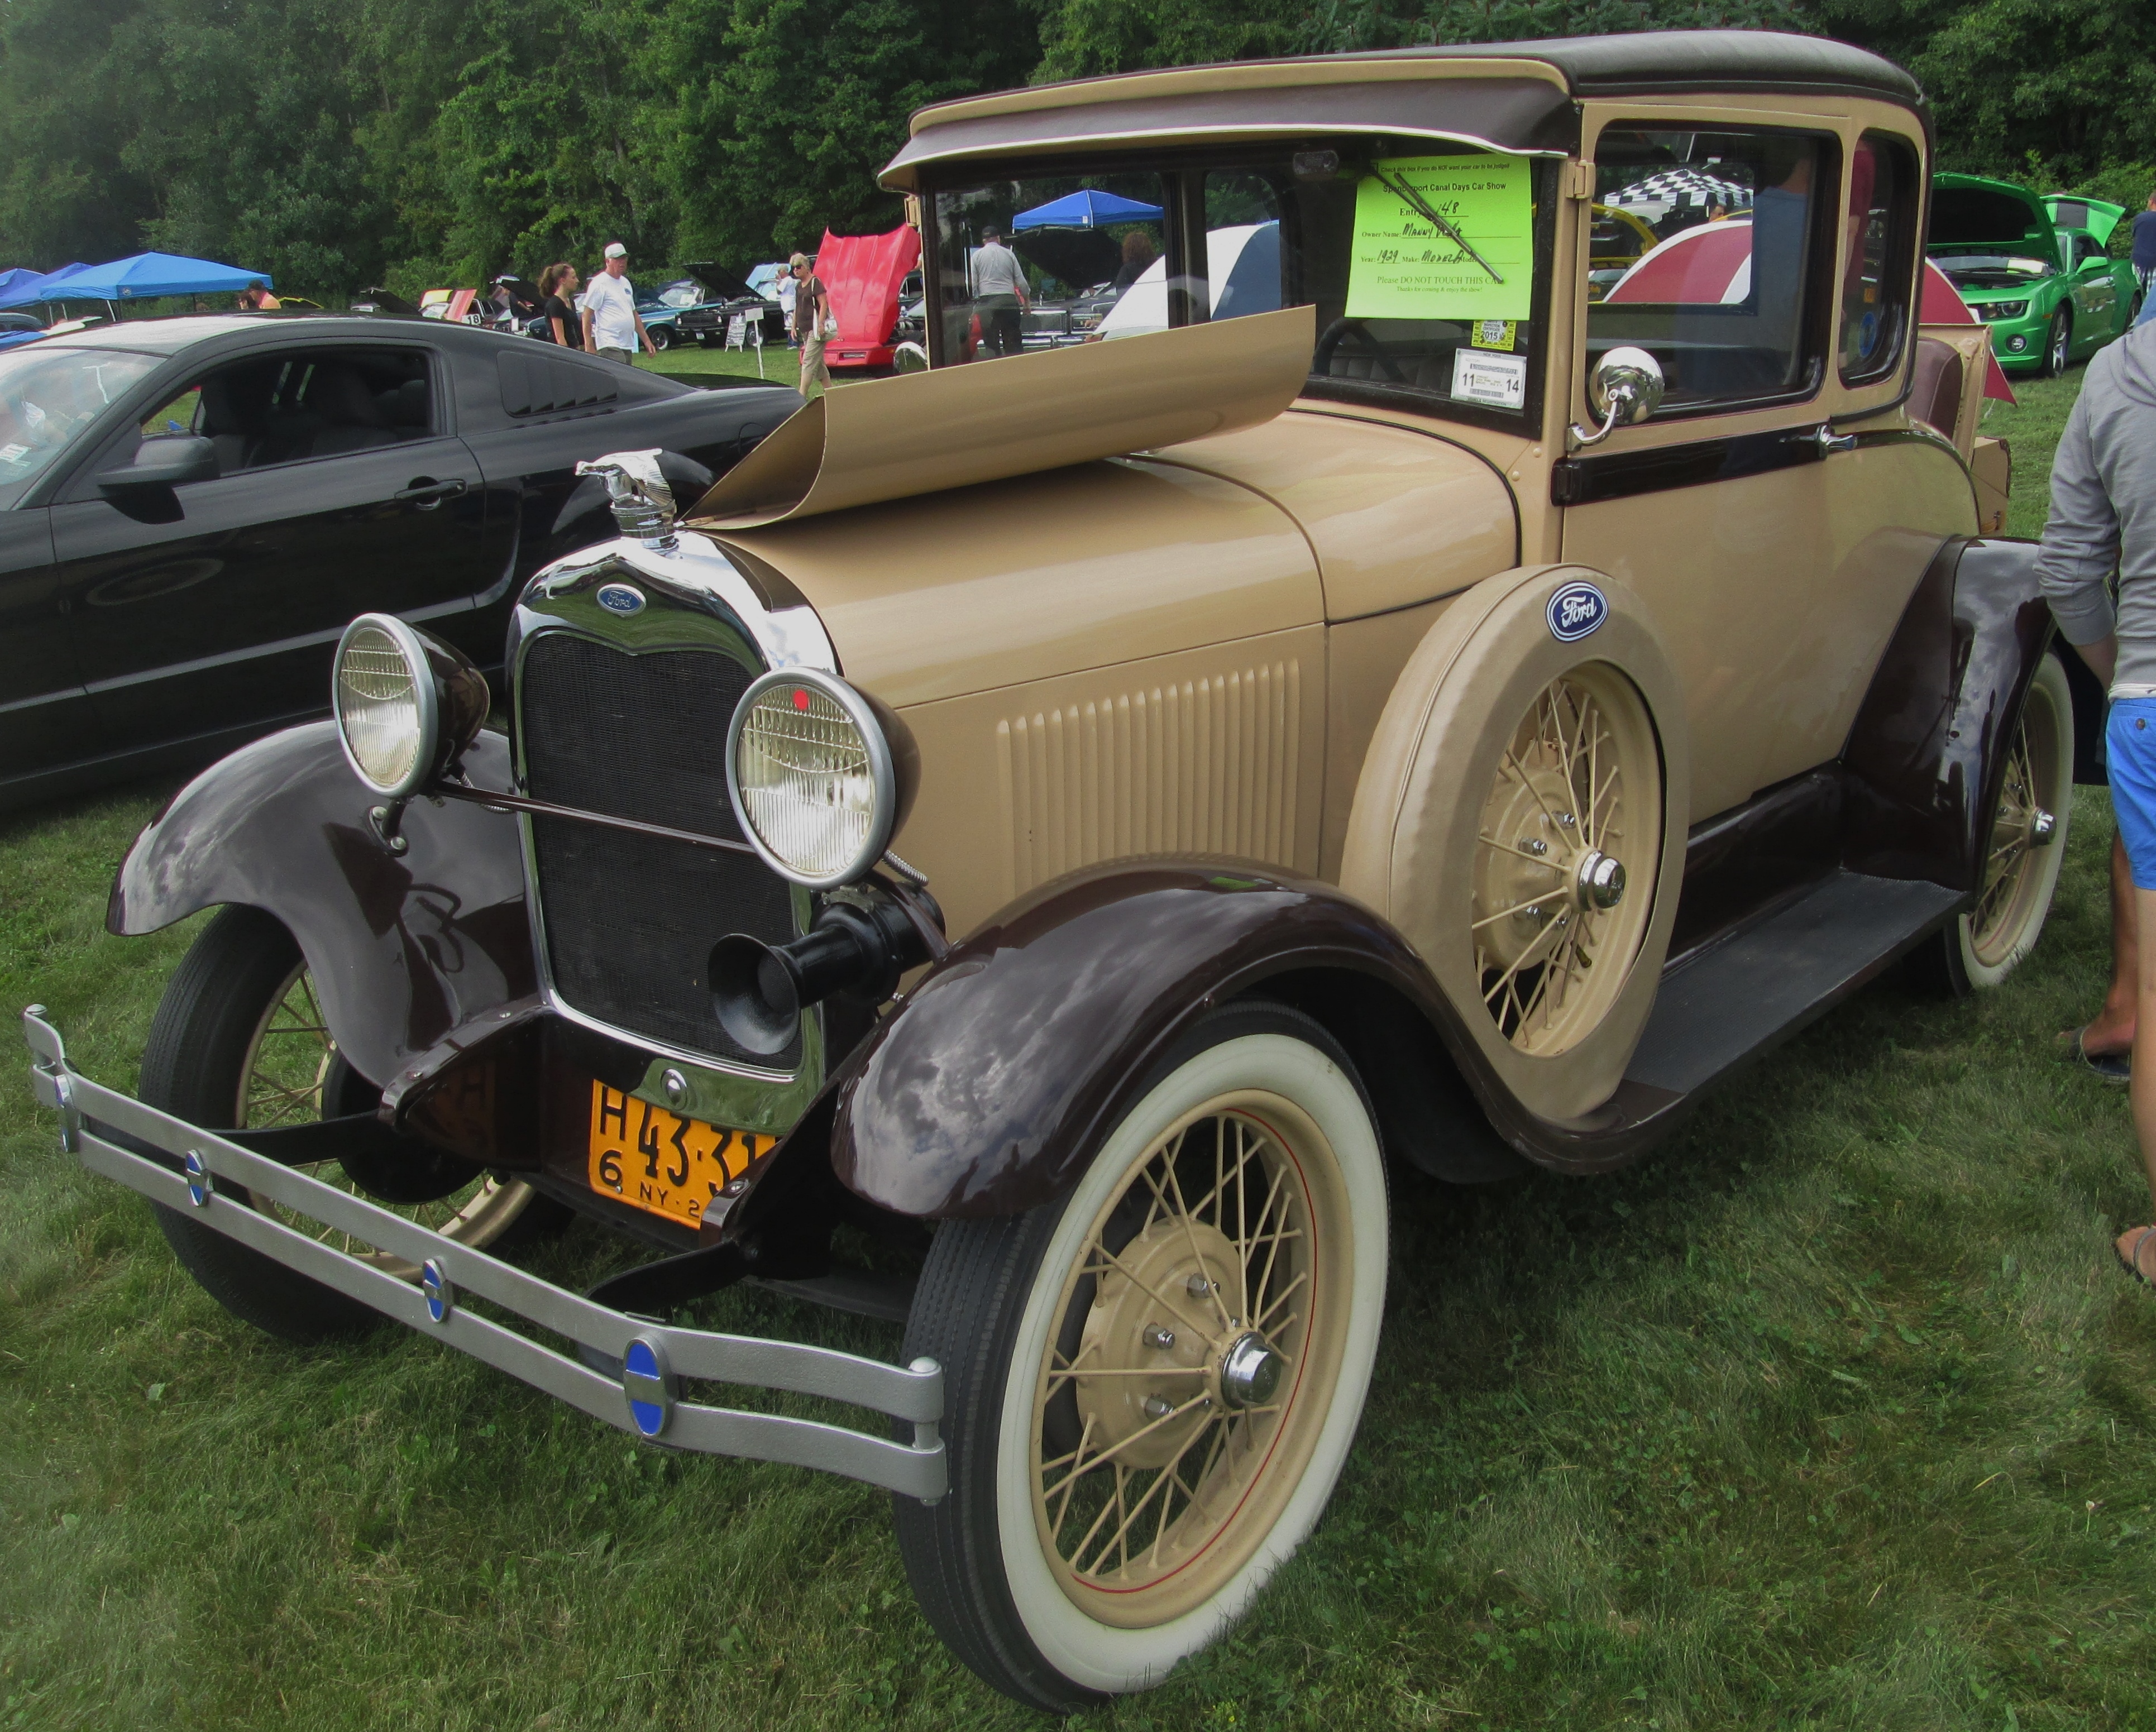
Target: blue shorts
x,y
2130,745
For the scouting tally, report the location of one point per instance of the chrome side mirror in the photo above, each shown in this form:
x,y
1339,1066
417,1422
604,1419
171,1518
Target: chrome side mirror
x,y
642,499
1626,387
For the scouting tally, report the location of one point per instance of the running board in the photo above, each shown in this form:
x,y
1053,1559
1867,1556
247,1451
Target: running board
x,y
1737,999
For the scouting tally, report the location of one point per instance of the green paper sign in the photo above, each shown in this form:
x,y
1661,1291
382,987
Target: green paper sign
x,y
1405,267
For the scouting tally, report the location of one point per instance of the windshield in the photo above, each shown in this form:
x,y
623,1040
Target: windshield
x,y
1424,261
49,397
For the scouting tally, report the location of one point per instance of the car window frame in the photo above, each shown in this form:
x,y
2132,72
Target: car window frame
x,y
1905,248
1824,223
79,483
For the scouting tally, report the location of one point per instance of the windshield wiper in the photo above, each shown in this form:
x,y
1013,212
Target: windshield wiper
x,y
1407,195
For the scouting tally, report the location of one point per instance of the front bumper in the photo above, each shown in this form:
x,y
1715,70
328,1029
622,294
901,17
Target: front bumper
x,y
112,1133
2032,330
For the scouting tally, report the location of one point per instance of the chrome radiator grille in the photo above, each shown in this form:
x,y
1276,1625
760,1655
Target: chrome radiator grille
x,y
629,920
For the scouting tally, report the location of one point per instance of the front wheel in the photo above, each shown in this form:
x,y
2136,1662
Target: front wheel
x,y
2058,343
1151,1383
239,1042
661,335
2027,844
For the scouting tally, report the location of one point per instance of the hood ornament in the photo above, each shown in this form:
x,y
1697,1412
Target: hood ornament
x,y
642,499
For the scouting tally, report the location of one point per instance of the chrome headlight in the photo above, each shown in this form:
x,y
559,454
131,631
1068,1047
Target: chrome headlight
x,y
811,778
405,705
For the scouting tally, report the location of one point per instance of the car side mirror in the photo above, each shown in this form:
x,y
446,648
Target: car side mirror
x,y
1626,386
173,460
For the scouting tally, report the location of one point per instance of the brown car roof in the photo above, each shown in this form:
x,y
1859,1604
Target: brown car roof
x,y
1517,96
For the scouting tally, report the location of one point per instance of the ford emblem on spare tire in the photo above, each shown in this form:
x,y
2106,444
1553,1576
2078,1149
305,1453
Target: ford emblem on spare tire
x,y
1574,611
621,598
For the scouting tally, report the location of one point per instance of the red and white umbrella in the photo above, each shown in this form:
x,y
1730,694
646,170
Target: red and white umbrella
x,y
1711,264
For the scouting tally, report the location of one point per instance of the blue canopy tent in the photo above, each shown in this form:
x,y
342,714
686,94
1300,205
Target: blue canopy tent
x,y
147,276
13,279
1084,210
27,291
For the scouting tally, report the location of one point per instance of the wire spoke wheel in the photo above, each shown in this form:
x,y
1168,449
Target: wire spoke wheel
x,y
1152,1380
291,1073
1571,821
2022,852
1175,1377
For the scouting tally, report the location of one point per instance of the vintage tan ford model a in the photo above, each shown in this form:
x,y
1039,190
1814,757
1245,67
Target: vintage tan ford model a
x,y
1078,819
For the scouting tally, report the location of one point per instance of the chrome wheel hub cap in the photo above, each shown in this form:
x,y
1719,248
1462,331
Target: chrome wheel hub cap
x,y
1599,882
1249,1371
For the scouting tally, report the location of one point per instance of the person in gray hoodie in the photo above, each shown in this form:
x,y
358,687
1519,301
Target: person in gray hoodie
x,y
2103,518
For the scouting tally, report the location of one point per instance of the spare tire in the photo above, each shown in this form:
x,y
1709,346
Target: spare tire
x,y
1521,819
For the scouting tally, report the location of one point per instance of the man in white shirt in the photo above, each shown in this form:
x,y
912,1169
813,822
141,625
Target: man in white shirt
x,y
786,290
612,327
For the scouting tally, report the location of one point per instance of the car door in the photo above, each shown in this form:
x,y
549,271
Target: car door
x,y
1713,512
2096,295
45,717
341,490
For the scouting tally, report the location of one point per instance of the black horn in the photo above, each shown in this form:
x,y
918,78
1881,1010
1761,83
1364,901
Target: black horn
x,y
859,946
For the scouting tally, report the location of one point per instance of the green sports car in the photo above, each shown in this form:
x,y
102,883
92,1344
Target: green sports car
x,y
2037,270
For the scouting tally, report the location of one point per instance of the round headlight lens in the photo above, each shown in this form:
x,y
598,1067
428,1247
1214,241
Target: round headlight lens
x,y
810,773
383,693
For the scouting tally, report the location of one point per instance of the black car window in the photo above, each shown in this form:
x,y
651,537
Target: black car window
x,y
296,405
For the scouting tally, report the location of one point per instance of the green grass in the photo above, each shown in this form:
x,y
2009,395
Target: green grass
x,y
2031,428
690,361
1836,1412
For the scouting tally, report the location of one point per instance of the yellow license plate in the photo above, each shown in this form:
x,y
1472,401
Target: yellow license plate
x,y
655,1160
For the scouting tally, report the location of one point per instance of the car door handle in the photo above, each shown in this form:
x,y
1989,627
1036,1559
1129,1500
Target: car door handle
x,y
424,494
1824,440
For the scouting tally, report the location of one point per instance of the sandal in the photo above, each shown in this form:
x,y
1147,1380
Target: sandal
x,y
2131,1259
2116,1068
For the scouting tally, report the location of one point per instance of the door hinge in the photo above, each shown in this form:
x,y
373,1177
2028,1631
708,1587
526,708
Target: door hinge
x,y
1567,482
1578,181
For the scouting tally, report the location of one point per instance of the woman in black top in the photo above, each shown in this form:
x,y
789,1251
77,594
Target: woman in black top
x,y
558,282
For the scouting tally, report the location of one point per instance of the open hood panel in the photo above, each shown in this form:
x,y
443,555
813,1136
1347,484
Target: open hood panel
x,y
955,427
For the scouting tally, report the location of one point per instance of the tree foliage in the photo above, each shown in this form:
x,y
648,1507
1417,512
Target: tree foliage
x,y
342,142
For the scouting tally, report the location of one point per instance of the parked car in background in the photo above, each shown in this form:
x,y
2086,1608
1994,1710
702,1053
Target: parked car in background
x,y
1617,241
454,306
2051,294
661,308
386,301
730,298
191,508
19,328
1414,715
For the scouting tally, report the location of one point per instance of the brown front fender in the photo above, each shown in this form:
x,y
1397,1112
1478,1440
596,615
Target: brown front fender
x,y
986,1092
402,947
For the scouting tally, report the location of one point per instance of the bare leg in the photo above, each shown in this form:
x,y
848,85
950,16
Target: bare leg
x,y
2144,1077
2113,1030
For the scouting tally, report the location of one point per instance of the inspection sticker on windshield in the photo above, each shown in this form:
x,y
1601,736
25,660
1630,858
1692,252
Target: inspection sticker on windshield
x,y
1405,266
1497,382
1495,334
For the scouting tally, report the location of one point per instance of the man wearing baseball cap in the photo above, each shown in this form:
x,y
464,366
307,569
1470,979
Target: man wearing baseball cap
x,y
611,325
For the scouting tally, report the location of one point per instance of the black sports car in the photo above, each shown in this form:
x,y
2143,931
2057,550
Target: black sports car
x,y
192,510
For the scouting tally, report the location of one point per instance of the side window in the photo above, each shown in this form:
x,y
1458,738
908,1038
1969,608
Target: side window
x,y
316,402
1881,225
178,416
1719,298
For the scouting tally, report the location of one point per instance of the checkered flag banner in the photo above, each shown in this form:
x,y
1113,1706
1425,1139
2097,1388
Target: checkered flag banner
x,y
1674,189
